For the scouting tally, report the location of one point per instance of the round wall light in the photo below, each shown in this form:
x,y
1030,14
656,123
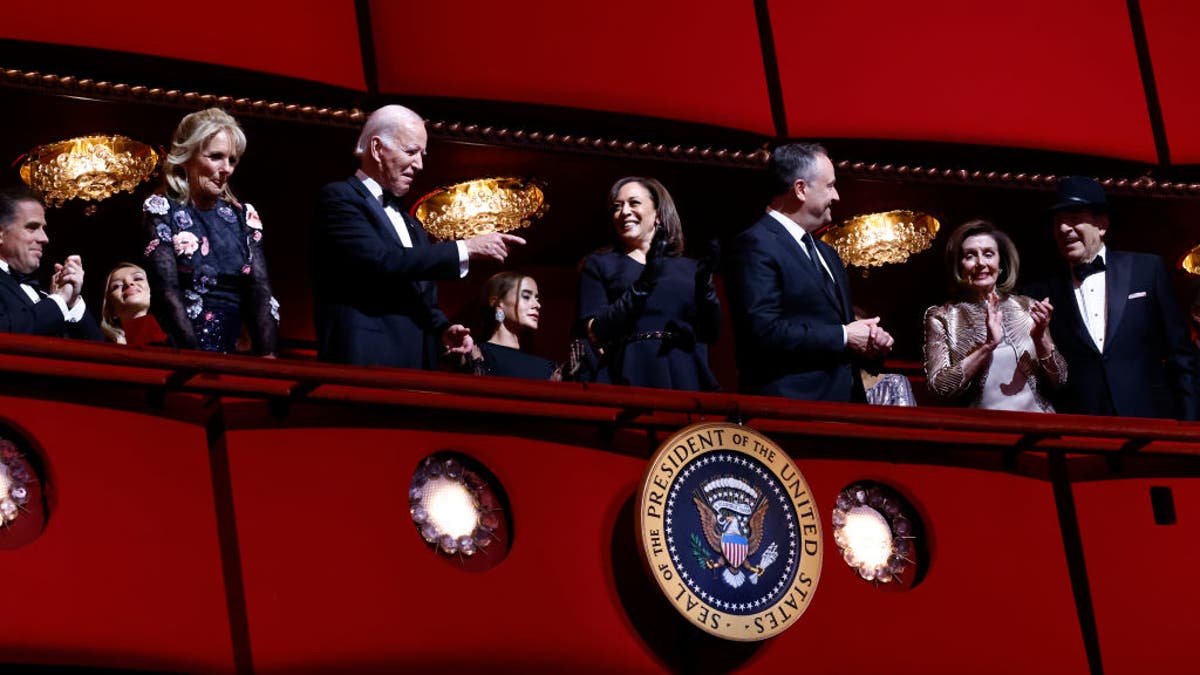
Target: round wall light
x,y
879,534
460,510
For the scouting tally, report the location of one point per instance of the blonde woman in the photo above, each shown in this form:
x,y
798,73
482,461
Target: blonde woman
x,y
126,307
205,255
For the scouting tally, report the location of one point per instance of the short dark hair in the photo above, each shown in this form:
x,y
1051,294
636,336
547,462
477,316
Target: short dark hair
x,y
1010,262
794,161
667,213
9,198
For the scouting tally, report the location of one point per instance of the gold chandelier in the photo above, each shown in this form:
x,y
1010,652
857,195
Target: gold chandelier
x,y
479,206
876,239
88,167
1190,262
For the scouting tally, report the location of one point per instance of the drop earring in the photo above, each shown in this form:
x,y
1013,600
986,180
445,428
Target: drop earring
x,y
499,315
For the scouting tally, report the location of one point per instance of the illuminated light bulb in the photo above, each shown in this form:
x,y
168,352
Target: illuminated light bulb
x,y
450,507
868,536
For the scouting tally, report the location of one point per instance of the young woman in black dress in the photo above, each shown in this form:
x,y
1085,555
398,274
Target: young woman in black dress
x,y
511,308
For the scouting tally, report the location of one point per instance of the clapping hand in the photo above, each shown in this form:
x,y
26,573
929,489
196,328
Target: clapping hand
x,y
995,320
655,262
67,282
1040,311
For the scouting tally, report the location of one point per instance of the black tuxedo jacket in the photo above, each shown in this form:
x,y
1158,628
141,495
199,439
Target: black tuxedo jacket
x,y
19,314
376,301
788,325
1148,367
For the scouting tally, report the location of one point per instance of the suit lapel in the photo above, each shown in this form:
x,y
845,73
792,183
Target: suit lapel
x,y
415,231
788,243
841,279
10,284
1117,279
382,222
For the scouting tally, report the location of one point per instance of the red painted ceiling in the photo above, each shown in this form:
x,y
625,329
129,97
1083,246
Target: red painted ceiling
x,y
1037,74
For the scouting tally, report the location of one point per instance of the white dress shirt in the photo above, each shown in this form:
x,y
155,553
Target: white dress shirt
x,y
797,233
1090,297
72,315
401,227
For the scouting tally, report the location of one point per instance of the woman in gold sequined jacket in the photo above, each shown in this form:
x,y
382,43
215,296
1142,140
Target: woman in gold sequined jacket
x,y
992,349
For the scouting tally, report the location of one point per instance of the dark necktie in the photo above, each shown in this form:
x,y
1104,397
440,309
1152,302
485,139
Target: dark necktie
x,y
1084,270
811,246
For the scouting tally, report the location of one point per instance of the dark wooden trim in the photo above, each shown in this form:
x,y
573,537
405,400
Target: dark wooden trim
x,y
366,45
1150,87
762,13
227,537
1068,523
67,85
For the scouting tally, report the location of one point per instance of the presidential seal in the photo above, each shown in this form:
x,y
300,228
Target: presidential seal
x,y
729,531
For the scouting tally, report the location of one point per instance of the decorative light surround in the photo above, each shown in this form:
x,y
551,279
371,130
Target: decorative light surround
x,y
22,499
479,206
878,533
877,239
88,167
459,510
14,480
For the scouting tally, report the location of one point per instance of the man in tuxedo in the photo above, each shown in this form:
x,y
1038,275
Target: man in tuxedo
x,y
796,332
374,268
1117,324
24,307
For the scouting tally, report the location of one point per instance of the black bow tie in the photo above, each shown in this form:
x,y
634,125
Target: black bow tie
x,y
27,279
391,200
1084,270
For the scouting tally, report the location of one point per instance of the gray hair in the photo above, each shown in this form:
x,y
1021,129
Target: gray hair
x,y
193,132
793,162
383,123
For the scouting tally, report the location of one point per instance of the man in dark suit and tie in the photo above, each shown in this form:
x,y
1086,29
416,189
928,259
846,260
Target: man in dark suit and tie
x,y
1117,324
796,332
374,269
24,307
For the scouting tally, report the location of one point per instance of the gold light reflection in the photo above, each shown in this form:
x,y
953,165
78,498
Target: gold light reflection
x,y
479,206
88,167
1190,262
876,239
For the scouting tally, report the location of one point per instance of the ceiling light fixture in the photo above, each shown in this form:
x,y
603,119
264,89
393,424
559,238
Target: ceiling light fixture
x,y
479,206
876,239
89,167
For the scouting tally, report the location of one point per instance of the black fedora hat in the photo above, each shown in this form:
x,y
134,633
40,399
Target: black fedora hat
x,y
1080,192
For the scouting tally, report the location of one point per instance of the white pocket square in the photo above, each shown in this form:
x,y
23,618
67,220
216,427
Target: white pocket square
x,y
1139,294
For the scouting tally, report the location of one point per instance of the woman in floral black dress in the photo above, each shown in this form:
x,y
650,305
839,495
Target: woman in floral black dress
x,y
205,255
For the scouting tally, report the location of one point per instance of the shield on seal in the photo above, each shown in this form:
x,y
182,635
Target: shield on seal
x,y
734,547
